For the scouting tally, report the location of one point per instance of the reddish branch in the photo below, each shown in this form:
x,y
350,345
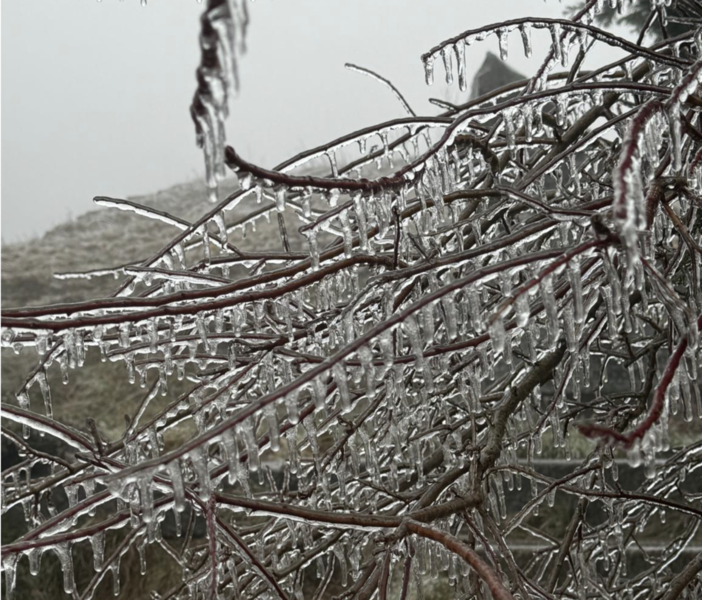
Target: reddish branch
x,y
595,430
628,156
491,579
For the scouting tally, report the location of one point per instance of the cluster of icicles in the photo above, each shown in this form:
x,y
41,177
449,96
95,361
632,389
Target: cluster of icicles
x,y
468,289
222,41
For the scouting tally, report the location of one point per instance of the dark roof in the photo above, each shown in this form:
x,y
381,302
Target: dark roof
x,y
493,73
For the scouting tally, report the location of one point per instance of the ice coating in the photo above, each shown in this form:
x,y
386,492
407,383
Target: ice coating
x,y
442,305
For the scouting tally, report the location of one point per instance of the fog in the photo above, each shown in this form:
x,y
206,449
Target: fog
x,y
95,95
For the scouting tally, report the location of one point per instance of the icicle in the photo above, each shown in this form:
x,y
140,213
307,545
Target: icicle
x,y
349,329
314,248
577,289
231,450
428,322
648,451
207,256
634,455
366,356
219,320
331,155
311,429
69,342
429,69
502,41
446,55
528,116
146,495
231,356
508,120
522,309
198,457
360,210
306,208
497,335
23,402
319,392
9,567
569,326
561,113
348,234
124,335
525,30
273,428
549,301
417,344
676,136
474,309
292,407
246,430
451,321
279,193
611,316
114,567
34,558
153,335
412,331
387,347
180,253
221,227
499,486
339,375
556,43
63,551
176,476
141,549
459,50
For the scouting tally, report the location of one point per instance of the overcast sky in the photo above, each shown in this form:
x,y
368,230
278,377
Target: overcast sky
x,y
95,95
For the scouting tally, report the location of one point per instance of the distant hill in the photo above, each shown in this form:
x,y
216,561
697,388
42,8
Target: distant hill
x,y
101,238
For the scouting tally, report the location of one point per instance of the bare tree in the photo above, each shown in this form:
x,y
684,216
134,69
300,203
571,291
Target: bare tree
x,y
452,296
